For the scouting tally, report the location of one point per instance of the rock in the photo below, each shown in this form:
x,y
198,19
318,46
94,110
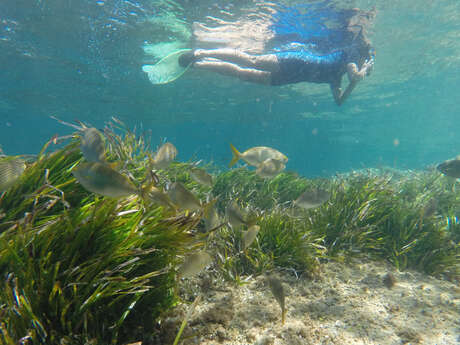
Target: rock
x,y
389,280
221,334
265,340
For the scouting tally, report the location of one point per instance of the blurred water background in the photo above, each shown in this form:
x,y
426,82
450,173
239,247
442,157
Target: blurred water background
x,y
82,59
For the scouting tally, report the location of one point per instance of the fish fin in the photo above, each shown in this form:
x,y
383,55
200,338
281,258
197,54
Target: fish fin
x,y
66,123
236,156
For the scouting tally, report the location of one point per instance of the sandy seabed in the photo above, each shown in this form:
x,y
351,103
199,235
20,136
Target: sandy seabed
x,y
346,304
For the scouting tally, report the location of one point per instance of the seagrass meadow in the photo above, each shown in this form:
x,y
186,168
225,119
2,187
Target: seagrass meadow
x,y
77,268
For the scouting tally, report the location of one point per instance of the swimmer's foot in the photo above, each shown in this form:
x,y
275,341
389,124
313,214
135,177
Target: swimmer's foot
x,y
187,58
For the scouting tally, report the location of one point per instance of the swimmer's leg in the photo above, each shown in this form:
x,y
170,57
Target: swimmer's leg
x,y
226,68
266,62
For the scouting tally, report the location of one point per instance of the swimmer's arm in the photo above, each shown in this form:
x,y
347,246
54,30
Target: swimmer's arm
x,y
354,76
339,96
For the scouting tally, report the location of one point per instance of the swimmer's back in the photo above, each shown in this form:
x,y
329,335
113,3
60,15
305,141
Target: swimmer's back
x,y
300,66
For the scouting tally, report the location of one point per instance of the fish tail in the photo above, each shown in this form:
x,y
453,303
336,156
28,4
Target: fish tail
x,y
236,156
283,316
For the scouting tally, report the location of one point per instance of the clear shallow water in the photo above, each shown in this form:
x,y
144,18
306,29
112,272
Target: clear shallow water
x,y
82,60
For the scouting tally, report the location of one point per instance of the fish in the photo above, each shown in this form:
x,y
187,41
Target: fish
x,y
183,198
11,169
201,176
256,155
101,179
210,216
92,145
450,167
312,198
269,168
235,216
276,288
164,156
194,263
249,236
159,197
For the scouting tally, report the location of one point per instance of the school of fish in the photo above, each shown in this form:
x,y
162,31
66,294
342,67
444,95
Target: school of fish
x,y
98,176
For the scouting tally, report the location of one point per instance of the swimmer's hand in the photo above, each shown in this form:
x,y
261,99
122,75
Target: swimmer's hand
x,y
354,76
368,67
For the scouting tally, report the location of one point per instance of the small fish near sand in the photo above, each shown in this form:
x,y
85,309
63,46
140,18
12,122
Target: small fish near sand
x,y
201,176
194,263
101,179
276,288
312,198
11,168
164,156
256,155
450,167
183,198
269,168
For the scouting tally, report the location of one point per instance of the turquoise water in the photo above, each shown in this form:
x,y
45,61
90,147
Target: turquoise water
x,y
83,60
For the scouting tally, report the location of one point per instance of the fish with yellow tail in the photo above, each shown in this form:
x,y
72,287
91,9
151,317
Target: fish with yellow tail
x,y
201,176
183,198
101,179
256,155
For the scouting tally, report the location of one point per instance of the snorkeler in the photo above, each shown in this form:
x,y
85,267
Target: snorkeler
x,y
314,53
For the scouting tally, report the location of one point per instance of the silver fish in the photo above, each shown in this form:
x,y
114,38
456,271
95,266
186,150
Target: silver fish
x,y
11,168
269,168
312,198
201,176
183,198
101,179
450,167
92,145
210,216
249,236
164,156
256,155
160,197
277,289
194,264
235,216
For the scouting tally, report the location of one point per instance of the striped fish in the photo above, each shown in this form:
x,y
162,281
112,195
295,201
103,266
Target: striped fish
x,y
11,168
